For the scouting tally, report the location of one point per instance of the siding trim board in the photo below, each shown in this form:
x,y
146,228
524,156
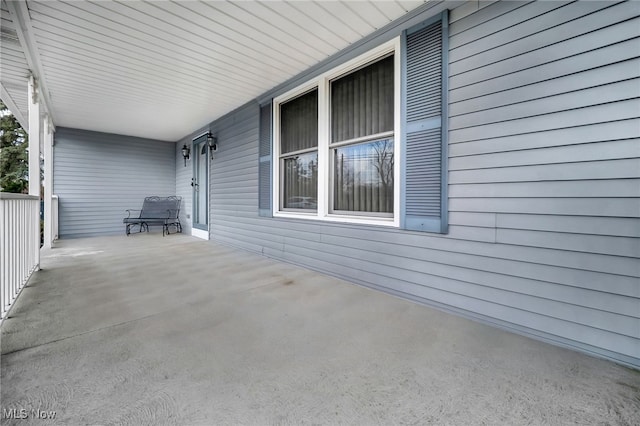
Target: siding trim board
x,y
542,189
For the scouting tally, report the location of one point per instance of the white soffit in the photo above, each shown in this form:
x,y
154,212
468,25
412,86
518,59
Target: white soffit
x,y
163,69
14,71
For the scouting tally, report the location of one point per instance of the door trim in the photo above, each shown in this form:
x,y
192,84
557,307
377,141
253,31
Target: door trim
x,y
199,233
199,230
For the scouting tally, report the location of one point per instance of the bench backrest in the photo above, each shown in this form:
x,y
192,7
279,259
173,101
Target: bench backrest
x,y
161,207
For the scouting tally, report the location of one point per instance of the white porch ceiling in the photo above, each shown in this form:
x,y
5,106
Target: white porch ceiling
x,y
163,69
13,68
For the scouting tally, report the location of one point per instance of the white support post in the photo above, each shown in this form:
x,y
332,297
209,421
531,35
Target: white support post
x,y
34,158
48,183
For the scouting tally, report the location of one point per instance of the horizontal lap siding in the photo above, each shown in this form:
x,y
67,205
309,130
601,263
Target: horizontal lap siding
x,y
97,176
544,141
544,183
234,172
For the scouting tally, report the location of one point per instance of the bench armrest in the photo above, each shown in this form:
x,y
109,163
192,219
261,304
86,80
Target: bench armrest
x,y
129,212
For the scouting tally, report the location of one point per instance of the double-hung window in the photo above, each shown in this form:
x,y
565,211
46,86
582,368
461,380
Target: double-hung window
x,y
366,141
334,142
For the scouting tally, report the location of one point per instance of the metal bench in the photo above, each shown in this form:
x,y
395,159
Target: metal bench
x,y
163,211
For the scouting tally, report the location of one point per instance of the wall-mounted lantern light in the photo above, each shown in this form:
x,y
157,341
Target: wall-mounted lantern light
x,y
212,142
185,153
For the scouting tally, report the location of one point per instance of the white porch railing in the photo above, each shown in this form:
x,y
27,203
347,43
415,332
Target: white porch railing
x,y
19,245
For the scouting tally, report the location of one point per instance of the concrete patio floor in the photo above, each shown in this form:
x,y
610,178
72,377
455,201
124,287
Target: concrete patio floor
x,y
174,330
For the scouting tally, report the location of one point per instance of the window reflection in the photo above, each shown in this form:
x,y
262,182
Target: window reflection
x,y
363,177
300,177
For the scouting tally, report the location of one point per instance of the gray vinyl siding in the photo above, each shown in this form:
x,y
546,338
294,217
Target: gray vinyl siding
x,y
97,176
544,183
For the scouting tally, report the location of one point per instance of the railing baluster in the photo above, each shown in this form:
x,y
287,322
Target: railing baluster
x,y
19,245
3,257
20,242
14,253
24,244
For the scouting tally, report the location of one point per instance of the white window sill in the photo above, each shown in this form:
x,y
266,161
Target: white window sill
x,y
335,218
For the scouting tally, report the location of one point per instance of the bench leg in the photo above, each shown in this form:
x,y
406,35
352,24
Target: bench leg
x,y
177,225
129,225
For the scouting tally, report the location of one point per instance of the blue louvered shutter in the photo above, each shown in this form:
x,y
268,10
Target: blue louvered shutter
x,y
424,112
264,164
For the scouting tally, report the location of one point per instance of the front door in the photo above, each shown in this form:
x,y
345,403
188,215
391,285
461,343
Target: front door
x,y
200,184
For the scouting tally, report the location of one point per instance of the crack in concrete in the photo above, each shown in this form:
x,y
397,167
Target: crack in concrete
x,y
88,332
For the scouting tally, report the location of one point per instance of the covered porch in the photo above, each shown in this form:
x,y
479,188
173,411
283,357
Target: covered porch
x,y
516,193
177,330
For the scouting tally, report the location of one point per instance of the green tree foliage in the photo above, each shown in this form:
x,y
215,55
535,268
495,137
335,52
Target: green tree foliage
x,y
14,157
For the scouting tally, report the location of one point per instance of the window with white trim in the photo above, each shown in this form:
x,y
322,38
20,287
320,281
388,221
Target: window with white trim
x,y
365,142
334,141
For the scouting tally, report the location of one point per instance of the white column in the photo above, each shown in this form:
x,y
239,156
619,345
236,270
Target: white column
x,y
34,158
48,182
